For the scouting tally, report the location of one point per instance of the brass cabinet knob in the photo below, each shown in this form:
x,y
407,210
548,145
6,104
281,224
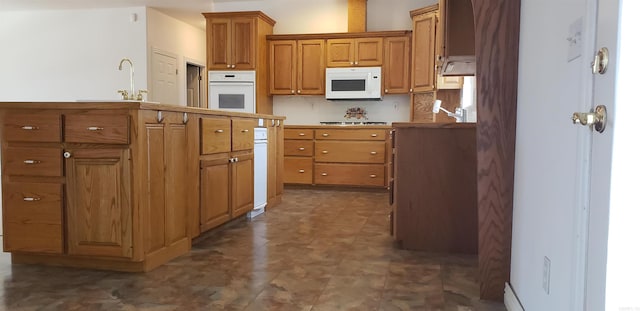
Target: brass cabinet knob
x,y
325,135
300,134
300,171
325,151
31,162
29,128
373,175
374,135
301,148
219,131
373,153
324,174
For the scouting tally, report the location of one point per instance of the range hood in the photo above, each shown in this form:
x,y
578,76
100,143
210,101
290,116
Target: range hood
x,y
459,38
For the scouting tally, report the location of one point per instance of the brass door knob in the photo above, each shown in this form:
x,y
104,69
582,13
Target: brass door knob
x,y
596,119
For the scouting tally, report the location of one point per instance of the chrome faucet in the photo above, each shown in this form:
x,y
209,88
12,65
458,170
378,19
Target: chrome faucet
x,y
131,95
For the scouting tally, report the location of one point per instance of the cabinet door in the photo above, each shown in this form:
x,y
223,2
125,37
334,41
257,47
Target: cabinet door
x,y
242,183
282,64
243,44
164,203
219,43
423,56
396,65
311,68
340,52
368,52
214,191
99,215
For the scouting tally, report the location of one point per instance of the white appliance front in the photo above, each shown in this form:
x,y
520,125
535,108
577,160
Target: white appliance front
x,y
232,91
260,155
353,83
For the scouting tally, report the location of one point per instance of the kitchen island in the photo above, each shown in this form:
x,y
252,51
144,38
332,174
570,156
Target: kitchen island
x,y
125,185
434,198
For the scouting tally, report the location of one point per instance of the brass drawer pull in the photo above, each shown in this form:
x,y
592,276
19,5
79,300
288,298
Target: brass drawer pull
x,y
301,148
244,131
95,128
373,153
324,174
219,131
373,175
300,134
325,135
31,199
325,151
31,161
300,171
374,135
29,128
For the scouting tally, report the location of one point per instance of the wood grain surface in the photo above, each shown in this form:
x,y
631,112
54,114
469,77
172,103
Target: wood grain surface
x,y
497,38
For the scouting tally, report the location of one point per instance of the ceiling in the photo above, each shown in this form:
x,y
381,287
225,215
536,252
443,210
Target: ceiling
x,y
185,10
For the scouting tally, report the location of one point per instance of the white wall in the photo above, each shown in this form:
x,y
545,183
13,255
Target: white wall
x,y
188,43
296,17
70,54
548,171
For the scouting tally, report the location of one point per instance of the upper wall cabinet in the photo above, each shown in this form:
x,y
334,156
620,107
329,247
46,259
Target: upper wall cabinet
x,y
396,71
354,52
233,39
425,25
296,67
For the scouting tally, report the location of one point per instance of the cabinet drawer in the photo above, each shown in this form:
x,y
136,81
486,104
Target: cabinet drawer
x,y
32,127
294,147
33,217
351,134
242,137
100,129
298,133
298,170
350,151
349,174
215,135
33,161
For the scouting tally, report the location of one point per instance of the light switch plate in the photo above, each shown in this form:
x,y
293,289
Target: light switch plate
x,y
575,40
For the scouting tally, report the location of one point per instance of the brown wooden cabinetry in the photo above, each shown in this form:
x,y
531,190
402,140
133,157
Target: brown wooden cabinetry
x,y
423,57
296,67
226,170
349,52
275,145
350,157
396,71
237,41
116,185
298,156
32,182
434,199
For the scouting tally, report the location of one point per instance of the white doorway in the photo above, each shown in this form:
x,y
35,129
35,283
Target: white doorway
x,y
196,86
164,78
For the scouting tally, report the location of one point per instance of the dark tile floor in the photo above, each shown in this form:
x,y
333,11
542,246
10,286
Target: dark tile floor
x,y
318,250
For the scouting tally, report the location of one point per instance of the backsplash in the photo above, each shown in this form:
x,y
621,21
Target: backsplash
x,y
313,109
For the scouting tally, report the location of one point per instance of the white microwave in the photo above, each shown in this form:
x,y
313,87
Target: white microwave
x,y
353,83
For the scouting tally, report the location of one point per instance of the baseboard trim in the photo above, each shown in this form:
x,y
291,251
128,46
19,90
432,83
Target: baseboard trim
x,y
511,301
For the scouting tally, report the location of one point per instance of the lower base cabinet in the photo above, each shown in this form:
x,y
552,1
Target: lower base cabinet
x,y
214,192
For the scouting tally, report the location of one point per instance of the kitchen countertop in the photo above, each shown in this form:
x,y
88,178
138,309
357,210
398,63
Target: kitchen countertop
x,y
433,125
339,126
119,104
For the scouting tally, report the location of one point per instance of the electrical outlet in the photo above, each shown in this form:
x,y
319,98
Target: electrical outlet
x,y
546,274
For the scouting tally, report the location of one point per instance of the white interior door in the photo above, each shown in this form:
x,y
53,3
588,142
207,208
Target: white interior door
x,y
164,77
613,272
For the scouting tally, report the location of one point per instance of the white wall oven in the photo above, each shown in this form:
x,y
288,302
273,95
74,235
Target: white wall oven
x,y
232,90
